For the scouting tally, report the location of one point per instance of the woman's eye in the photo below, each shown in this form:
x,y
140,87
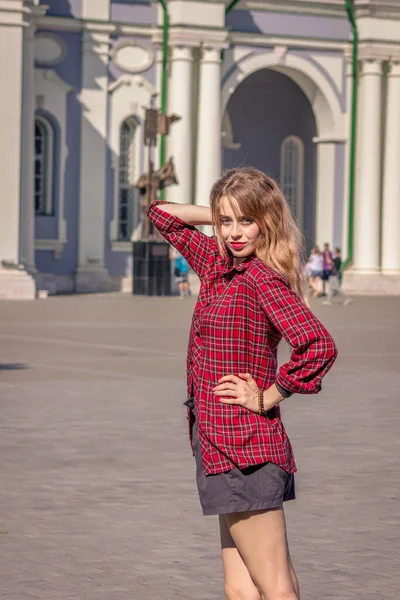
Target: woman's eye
x,y
247,221
224,221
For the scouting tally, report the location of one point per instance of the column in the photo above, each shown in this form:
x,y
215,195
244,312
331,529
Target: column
x,y
91,274
180,136
367,208
27,157
391,179
325,196
11,61
208,164
15,282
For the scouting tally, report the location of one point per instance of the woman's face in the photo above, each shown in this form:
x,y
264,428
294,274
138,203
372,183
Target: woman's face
x,y
240,233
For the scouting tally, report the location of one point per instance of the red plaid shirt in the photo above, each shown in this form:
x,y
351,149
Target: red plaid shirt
x,y
241,315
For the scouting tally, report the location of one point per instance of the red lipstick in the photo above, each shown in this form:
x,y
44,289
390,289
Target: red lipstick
x,y
237,245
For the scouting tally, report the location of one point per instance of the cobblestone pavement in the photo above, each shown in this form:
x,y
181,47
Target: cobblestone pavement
x,y
97,494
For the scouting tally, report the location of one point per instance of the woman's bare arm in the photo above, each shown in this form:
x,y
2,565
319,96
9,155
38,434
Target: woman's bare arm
x,y
190,213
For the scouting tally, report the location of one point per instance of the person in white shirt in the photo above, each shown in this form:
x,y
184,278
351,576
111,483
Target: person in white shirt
x,y
316,266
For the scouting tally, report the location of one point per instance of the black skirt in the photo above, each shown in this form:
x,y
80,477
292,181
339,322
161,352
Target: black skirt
x,y
258,487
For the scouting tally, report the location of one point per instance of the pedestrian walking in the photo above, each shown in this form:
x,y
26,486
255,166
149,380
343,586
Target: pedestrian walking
x,y
181,272
252,294
316,261
334,281
327,267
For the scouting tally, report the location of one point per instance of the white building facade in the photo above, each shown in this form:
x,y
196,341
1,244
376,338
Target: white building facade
x,y
263,84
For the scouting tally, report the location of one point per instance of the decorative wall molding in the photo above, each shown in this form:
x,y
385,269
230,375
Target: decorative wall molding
x,y
56,246
52,91
50,49
129,80
132,57
329,140
119,246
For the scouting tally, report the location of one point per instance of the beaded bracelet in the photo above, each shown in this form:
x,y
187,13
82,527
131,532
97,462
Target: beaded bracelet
x,y
260,402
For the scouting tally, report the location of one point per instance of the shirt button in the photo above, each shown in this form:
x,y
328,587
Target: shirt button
x,y
198,333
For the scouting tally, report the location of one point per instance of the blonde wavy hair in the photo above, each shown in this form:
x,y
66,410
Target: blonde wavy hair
x,y
258,197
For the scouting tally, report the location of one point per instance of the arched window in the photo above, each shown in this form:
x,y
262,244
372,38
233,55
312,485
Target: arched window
x,y
292,175
129,196
44,152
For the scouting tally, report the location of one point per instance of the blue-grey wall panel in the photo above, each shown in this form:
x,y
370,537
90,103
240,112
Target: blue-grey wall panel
x,y
286,24
138,13
64,8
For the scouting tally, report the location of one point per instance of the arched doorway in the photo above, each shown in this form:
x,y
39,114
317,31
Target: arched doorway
x,y
271,125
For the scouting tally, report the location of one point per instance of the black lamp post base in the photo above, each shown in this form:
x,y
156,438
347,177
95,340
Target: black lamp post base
x,y
151,268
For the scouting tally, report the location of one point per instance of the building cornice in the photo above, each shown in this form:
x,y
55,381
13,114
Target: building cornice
x,y
379,52
94,26
209,37
382,9
330,8
13,13
262,40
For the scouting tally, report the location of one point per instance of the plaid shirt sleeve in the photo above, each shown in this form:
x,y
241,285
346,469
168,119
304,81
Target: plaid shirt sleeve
x,y
195,246
313,349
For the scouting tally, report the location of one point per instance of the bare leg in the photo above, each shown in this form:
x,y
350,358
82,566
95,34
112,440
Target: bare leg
x,y
260,538
238,583
313,285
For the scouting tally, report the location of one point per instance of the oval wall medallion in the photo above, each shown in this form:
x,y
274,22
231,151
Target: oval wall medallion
x,y
49,49
131,57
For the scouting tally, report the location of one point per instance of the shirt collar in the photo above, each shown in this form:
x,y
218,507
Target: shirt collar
x,y
230,267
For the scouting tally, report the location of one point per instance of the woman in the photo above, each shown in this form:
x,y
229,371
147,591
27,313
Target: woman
x,y
316,261
251,296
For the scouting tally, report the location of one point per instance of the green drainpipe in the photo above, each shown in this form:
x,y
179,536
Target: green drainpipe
x,y
164,83
353,134
231,6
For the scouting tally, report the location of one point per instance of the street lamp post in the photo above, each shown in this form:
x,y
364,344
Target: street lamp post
x,y
151,262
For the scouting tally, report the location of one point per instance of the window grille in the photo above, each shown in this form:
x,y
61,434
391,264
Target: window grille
x,y
292,175
129,195
43,184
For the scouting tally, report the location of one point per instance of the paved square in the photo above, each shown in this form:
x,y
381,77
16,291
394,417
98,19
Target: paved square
x,y
98,497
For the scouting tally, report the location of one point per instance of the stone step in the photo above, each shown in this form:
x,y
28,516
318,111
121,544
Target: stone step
x,y
17,285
